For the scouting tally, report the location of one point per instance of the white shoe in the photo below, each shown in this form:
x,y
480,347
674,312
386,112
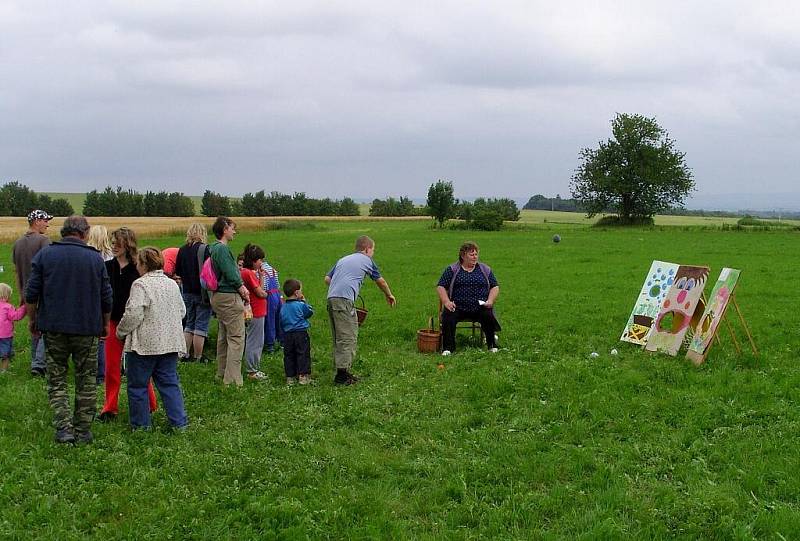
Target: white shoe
x,y
493,350
445,353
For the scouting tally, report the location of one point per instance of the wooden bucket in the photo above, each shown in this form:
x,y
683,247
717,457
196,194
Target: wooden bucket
x,y
361,312
428,340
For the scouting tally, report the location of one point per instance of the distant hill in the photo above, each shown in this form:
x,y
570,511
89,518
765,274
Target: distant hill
x,y
789,201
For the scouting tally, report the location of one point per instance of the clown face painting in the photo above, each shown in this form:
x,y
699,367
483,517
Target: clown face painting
x,y
675,315
659,279
713,314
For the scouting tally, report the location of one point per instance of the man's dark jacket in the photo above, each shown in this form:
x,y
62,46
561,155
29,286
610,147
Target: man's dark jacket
x,y
70,284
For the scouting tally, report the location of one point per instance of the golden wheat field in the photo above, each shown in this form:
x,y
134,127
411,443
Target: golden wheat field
x,y
11,227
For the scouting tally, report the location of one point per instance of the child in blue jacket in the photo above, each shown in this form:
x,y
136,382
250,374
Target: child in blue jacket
x,y
294,316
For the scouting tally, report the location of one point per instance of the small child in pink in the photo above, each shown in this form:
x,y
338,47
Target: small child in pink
x,y
8,315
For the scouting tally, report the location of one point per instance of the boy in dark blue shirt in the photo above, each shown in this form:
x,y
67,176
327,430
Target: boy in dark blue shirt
x,y
296,342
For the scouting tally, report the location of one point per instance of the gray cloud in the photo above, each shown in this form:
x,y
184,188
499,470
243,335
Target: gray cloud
x,y
373,99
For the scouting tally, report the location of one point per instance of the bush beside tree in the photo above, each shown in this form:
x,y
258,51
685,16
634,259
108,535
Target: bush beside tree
x,y
393,207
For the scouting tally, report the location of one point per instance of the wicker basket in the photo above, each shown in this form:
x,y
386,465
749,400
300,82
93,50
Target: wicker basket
x,y
361,312
428,340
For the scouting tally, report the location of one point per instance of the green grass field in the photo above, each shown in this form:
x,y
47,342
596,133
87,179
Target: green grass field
x,y
537,441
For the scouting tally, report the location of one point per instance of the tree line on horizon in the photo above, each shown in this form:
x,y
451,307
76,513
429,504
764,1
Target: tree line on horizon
x,y
633,175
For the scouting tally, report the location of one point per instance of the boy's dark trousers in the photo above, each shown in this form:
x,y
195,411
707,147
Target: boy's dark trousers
x,y
296,353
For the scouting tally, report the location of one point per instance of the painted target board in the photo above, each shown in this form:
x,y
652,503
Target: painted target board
x,y
675,315
654,291
713,314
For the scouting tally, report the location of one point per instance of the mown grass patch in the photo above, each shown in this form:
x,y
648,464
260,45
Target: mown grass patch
x,y
539,440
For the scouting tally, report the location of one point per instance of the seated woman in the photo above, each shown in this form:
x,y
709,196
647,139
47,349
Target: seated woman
x,y
468,290
153,334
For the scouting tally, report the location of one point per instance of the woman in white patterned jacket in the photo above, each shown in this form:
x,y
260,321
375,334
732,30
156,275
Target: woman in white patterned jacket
x,y
153,334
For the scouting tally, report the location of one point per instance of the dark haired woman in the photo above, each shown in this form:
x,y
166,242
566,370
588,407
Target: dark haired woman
x,y
122,273
467,290
228,303
152,329
253,257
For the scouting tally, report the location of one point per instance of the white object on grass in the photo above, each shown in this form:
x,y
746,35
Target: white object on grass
x,y
614,351
445,353
594,354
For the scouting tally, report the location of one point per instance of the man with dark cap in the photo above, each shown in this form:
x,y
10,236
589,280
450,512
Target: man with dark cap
x,y
24,249
69,300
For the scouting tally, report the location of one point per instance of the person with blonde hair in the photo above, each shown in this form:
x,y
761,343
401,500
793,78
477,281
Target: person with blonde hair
x,y
122,273
189,261
8,315
153,335
99,240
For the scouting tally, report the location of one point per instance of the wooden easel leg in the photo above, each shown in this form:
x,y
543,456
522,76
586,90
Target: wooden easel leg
x,y
746,328
733,335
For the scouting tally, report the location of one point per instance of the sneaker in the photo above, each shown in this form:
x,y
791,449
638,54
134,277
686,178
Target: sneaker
x,y
258,376
291,381
305,379
38,372
65,436
493,350
446,352
107,417
84,437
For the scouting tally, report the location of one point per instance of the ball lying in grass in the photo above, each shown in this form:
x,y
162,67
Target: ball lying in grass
x,y
594,355
556,238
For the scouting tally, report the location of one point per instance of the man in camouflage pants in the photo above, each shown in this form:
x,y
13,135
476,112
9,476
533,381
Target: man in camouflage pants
x,y
69,300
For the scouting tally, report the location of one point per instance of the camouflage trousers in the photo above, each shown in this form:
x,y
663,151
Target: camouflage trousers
x,y
83,350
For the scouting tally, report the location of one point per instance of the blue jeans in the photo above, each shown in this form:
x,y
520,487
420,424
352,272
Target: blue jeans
x,y
198,315
101,361
38,361
164,371
272,325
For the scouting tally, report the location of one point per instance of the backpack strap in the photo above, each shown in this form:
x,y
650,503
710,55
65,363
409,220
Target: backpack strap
x,y
201,252
205,299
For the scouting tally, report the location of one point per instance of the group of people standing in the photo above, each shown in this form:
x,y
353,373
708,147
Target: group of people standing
x,y
99,299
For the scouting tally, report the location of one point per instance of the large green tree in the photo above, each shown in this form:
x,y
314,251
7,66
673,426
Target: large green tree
x,y
441,202
637,173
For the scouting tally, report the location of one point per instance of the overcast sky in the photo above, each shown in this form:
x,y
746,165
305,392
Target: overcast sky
x,y
369,99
